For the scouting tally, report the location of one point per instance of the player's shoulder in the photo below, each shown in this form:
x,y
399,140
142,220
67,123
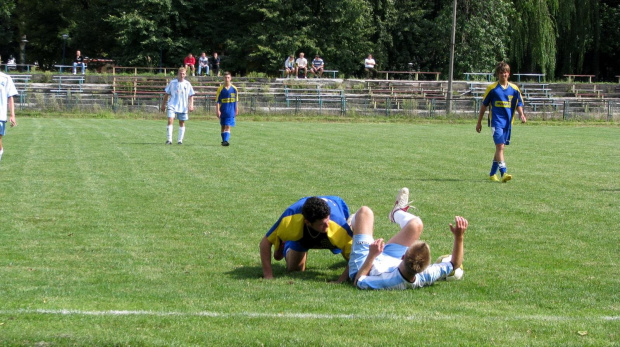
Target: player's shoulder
x,y
514,86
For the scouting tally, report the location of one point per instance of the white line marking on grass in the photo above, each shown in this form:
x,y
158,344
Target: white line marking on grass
x,y
287,315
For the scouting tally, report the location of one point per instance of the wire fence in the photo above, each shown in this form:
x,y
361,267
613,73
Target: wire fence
x,y
569,109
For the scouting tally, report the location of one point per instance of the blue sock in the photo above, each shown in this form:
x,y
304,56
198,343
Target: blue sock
x,y
223,136
226,136
494,168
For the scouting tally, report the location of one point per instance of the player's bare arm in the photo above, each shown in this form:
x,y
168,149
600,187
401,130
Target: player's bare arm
x,y
164,103
458,230
375,249
483,110
11,105
265,257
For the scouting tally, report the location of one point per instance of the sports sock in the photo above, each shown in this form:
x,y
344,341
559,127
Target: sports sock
x,y
402,218
226,136
494,168
169,131
1,151
352,220
223,136
502,168
181,133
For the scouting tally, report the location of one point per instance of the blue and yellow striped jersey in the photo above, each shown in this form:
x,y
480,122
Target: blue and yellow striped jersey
x,y
227,98
289,226
503,103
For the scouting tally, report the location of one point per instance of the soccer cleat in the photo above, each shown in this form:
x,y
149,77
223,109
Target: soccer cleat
x,y
456,274
168,142
225,143
180,143
506,178
494,178
278,254
402,203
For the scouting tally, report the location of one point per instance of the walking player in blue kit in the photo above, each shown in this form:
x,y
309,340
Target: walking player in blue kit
x,y
503,98
227,99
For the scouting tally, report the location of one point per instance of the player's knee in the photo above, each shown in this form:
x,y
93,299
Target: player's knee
x,y
364,211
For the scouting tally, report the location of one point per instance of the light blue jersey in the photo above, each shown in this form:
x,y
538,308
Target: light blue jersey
x,y
179,92
384,273
7,90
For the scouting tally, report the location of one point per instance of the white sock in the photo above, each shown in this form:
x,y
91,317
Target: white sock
x,y
181,133
1,151
169,130
352,220
402,218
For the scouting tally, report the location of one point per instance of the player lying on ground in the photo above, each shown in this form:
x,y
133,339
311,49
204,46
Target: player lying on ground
x,y
402,262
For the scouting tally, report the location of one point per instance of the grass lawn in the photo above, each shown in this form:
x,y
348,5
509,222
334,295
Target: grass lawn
x,y
110,237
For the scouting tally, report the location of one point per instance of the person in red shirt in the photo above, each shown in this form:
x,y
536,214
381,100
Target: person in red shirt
x,y
190,63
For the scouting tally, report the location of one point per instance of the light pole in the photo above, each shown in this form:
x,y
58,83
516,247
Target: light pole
x,y
22,47
64,45
452,44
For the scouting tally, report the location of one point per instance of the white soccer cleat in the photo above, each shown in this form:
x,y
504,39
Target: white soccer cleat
x,y
402,203
456,274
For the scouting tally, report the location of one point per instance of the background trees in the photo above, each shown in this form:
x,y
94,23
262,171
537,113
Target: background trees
x,y
550,36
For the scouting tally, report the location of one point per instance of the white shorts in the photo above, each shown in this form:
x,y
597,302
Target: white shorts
x,y
361,248
179,116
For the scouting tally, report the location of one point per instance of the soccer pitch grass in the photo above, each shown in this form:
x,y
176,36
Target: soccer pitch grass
x,y
110,237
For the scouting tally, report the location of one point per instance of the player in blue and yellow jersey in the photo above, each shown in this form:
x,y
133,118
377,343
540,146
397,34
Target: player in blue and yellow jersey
x,y
227,99
318,222
504,99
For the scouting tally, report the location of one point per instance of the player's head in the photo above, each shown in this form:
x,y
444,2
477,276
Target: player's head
x,y
418,257
301,55
291,57
316,213
181,73
501,68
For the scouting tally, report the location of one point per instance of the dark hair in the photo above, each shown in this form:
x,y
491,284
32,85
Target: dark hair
x,y
315,209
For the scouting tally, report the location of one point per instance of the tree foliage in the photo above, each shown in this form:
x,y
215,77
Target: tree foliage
x,y
550,36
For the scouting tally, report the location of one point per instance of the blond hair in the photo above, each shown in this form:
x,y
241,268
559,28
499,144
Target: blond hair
x,y
418,257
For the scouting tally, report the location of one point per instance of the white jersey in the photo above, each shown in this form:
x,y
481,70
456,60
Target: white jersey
x,y
301,62
7,90
179,92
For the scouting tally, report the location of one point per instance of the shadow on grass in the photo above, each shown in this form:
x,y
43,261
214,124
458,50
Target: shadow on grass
x,y
279,270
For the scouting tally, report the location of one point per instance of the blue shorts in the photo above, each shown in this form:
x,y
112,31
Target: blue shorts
x,y
361,247
179,116
2,127
296,246
501,136
227,120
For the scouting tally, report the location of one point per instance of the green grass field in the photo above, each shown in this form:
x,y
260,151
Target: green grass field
x,y
109,237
